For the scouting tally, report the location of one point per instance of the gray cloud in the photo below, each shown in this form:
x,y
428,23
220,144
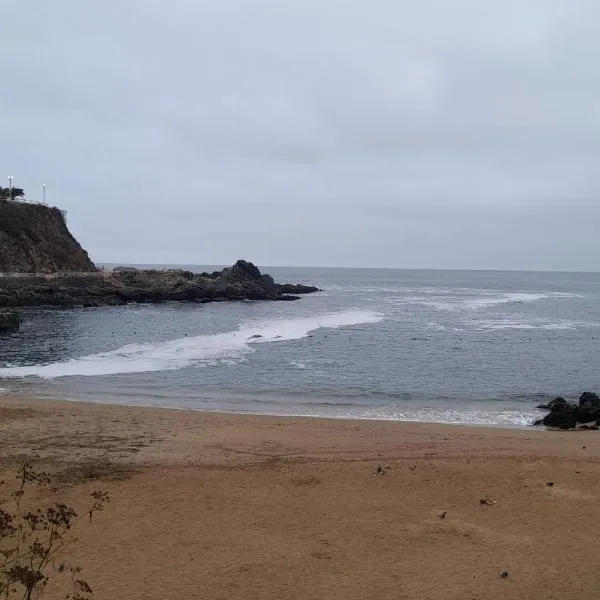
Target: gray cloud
x,y
430,134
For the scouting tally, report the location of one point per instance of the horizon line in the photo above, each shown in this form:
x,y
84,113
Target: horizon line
x,y
348,268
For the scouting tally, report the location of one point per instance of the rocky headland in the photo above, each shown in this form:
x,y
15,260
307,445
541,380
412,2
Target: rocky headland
x,y
34,238
43,265
242,281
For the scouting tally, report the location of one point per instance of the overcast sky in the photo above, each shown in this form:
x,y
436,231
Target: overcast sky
x,y
393,133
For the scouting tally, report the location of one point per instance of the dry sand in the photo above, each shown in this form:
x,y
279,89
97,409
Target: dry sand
x,y
235,507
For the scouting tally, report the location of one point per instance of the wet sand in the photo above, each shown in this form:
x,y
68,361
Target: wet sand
x,y
238,507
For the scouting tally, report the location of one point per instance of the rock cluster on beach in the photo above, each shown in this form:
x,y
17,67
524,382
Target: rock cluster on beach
x,y
570,415
242,281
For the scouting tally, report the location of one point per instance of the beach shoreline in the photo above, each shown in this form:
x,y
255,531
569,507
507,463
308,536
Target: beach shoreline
x,y
534,412
226,505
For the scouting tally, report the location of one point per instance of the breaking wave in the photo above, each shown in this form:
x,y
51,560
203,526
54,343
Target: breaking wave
x,y
194,350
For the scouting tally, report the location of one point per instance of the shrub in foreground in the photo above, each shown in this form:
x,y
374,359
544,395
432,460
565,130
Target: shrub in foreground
x,y
33,537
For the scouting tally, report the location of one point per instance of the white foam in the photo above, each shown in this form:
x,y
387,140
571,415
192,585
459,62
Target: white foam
x,y
504,324
472,416
197,350
520,298
466,416
558,326
487,300
566,295
432,326
498,324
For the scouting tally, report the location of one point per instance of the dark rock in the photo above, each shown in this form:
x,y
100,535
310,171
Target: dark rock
x,y
296,288
243,281
35,239
589,408
567,415
10,320
562,420
588,397
556,402
125,269
242,271
268,282
563,415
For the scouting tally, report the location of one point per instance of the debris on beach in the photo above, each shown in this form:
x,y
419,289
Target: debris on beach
x,y
413,467
443,515
380,470
550,483
503,574
487,501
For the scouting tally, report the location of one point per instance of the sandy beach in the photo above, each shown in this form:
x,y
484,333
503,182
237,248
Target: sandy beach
x,y
226,506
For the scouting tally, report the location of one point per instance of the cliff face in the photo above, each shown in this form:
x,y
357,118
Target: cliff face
x,y
35,239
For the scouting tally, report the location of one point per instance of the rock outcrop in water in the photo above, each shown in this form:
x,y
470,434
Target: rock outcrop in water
x,y
242,281
10,320
569,415
35,239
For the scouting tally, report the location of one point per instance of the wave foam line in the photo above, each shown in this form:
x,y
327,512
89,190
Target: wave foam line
x,y
195,350
489,300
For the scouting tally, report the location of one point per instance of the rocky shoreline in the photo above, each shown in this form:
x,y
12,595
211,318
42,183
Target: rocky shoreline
x,y
242,281
584,414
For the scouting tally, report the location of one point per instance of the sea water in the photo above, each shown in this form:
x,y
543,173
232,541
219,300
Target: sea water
x,y
473,347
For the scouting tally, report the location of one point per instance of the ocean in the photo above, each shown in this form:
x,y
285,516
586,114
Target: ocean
x,y
470,347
